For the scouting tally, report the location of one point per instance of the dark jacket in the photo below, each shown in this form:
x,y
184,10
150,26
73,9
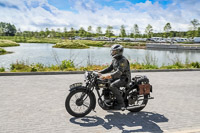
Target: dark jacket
x,y
121,68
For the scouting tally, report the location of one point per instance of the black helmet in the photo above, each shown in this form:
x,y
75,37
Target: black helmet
x,y
116,50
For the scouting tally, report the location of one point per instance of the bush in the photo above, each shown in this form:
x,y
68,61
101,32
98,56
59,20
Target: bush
x,y
142,66
2,69
195,64
2,51
66,64
20,66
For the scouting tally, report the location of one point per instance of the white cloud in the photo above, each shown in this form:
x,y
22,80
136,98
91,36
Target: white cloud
x,y
38,14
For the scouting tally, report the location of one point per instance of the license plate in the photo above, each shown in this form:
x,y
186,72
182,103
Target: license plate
x,y
75,85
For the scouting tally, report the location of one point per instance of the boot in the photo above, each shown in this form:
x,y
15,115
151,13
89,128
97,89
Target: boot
x,y
122,106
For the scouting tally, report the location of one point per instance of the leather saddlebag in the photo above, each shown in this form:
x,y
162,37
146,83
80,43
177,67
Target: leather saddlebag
x,y
144,89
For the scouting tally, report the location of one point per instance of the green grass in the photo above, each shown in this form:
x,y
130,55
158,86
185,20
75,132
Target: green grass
x,y
7,43
30,39
68,65
76,43
93,43
71,45
2,50
139,66
43,40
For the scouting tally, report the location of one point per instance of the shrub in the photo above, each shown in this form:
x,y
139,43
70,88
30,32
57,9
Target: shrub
x,y
2,69
195,64
2,51
66,64
20,66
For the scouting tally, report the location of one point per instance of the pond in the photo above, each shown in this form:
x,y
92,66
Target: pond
x,y
45,54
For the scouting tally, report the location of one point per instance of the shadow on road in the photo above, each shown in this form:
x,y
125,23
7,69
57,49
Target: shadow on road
x,y
131,122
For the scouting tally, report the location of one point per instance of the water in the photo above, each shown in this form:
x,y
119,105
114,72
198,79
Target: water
x,y
45,54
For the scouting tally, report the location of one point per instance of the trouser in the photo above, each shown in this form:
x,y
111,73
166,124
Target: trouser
x,y
114,87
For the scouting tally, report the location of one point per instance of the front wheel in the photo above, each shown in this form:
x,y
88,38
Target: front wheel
x,y
79,103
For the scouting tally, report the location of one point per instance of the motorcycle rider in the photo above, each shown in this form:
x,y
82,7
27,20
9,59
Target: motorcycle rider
x,y
121,75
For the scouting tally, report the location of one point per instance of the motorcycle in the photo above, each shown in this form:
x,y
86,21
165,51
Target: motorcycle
x,y
81,100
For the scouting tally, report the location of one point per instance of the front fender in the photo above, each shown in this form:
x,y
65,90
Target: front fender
x,y
76,88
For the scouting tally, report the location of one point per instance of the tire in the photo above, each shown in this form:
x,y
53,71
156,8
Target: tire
x,y
92,102
145,101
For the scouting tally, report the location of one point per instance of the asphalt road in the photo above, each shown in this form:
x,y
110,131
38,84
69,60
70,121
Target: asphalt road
x,y
36,104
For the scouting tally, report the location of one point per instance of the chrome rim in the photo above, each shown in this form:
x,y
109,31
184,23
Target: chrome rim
x,y
79,104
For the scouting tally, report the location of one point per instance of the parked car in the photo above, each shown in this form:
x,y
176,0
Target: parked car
x,y
197,39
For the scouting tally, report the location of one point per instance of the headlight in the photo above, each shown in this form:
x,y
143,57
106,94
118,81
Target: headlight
x,y
86,75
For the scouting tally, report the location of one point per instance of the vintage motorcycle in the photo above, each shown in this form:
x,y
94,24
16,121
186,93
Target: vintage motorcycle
x,y
81,100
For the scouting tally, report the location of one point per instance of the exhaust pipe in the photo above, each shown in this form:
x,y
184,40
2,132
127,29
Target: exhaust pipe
x,y
136,106
146,98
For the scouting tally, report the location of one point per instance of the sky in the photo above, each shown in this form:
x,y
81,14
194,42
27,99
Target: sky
x,y
40,14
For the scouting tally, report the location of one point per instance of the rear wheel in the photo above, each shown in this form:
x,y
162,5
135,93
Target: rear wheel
x,y
140,103
79,103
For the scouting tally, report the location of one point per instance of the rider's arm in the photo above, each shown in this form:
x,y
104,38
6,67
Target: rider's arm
x,y
121,68
107,70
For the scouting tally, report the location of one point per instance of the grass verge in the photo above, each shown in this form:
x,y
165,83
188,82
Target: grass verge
x,y
8,43
71,45
68,65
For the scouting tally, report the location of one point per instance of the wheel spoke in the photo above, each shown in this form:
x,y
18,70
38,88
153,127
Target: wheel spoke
x,y
82,108
85,105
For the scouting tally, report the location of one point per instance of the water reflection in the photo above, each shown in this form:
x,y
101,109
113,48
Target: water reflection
x,y
45,54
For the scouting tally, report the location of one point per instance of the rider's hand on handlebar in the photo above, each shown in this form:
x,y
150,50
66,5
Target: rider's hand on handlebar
x,y
106,77
99,74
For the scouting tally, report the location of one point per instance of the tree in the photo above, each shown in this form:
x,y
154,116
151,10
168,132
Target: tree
x,y
109,31
47,32
167,28
135,31
98,31
1,31
172,34
7,29
71,33
195,24
189,33
82,32
41,33
149,31
122,31
58,33
89,28
89,34
65,31
198,32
